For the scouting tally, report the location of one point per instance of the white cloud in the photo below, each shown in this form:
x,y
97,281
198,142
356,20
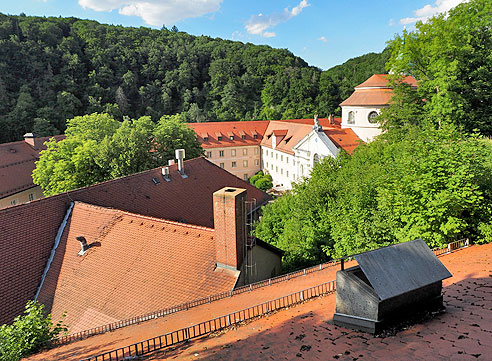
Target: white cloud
x,y
156,12
428,11
323,39
259,24
391,22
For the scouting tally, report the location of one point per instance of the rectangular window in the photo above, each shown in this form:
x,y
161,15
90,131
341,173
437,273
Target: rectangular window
x,y
246,177
281,157
243,136
255,136
266,165
234,165
257,150
276,168
287,173
233,152
287,160
231,137
222,165
257,162
276,156
221,153
245,163
205,139
209,154
219,138
281,170
245,151
31,196
271,166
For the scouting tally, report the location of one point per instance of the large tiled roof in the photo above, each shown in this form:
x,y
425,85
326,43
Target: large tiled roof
x,y
368,97
243,133
138,264
27,231
307,332
375,91
381,81
16,165
289,132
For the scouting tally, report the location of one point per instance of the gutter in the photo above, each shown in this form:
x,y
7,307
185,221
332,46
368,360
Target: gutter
x,y
53,250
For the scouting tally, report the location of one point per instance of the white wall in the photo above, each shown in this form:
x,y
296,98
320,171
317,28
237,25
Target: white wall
x,y
361,127
287,168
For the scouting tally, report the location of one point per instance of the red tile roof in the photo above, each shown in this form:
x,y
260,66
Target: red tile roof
x,y
140,264
290,132
27,231
16,165
377,97
213,130
375,91
381,80
464,329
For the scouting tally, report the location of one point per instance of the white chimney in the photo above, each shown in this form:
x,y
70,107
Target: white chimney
x,y
171,162
180,155
165,173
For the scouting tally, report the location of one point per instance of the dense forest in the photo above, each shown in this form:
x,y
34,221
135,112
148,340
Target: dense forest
x,y
52,69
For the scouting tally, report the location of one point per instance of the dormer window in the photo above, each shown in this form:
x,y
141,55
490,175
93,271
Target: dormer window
x,y
231,137
205,139
255,136
219,138
372,117
351,118
243,136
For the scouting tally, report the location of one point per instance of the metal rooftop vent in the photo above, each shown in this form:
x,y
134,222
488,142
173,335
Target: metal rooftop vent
x,y
83,245
165,174
389,283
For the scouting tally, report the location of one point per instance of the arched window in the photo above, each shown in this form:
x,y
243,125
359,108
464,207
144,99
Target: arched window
x,y
351,118
372,117
315,159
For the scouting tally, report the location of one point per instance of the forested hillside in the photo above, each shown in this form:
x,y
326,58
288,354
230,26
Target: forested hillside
x,y
52,69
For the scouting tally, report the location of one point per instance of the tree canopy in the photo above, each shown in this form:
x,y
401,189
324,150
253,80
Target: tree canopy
x,y
53,69
451,57
434,184
97,148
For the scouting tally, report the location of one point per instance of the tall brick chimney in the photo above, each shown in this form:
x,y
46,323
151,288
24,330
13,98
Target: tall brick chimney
x,y
230,226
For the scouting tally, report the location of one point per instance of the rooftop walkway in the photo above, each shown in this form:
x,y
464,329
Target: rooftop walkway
x,y
135,333
463,332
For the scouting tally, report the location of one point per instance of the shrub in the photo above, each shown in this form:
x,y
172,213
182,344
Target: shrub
x,y
28,333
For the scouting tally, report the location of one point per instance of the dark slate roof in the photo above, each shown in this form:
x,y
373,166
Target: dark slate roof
x,y
401,268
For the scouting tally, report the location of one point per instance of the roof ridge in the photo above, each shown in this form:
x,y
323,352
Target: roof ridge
x,y
155,219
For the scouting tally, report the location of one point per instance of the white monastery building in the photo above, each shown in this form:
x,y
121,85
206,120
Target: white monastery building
x,y
360,110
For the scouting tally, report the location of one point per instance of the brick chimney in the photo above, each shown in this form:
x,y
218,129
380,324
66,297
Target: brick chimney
x,y
230,226
32,140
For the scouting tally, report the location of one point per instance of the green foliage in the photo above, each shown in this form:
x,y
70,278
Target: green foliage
x,y
410,183
451,56
98,148
58,68
262,181
28,333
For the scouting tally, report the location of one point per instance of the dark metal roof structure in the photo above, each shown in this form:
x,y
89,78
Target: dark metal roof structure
x,y
403,267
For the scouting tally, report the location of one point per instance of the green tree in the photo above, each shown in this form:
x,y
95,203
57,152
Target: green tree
x,y
262,181
451,56
97,148
28,333
171,133
434,184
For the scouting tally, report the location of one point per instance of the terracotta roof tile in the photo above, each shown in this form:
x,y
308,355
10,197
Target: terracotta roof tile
x,y
238,130
16,165
381,80
27,231
467,294
293,131
139,264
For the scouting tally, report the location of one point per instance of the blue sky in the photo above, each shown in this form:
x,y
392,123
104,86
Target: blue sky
x,y
323,32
